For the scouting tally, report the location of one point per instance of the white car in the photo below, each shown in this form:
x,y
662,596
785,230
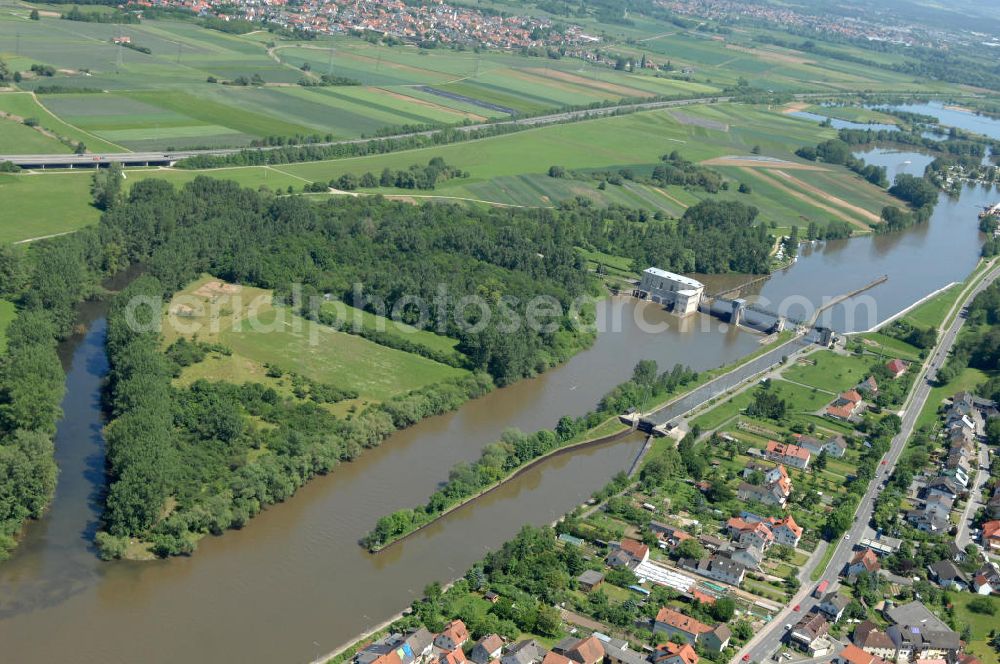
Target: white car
x,y
847,537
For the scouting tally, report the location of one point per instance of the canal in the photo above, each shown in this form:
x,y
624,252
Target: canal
x,y
294,583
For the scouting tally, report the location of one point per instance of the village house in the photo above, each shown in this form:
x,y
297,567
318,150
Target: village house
x,y
896,367
675,653
947,575
668,536
846,406
524,652
835,446
750,534
588,650
869,386
942,486
616,652
873,641
717,566
786,531
414,648
807,634
486,649
789,455
917,633
832,605
750,557
453,636
986,580
635,551
991,535
855,655
775,488
863,561
670,622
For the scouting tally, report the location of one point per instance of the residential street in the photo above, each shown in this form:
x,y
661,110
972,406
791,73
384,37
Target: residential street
x,y
975,502
768,640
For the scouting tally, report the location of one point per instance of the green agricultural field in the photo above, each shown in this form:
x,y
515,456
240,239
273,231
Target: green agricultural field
x,y
511,169
799,400
19,138
27,105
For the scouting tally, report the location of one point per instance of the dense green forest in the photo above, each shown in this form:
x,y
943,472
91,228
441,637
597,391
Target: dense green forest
x,y
180,471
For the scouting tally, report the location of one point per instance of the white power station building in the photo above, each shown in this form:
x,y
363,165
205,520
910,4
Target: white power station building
x,y
680,294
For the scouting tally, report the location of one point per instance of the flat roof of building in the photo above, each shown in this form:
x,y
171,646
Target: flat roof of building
x,y
679,278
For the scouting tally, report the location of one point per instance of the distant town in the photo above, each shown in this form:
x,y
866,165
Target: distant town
x,y
432,22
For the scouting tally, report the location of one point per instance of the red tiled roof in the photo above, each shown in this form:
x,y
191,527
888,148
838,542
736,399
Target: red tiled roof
x,y
896,366
855,655
851,395
866,558
684,651
789,522
457,632
555,658
701,597
491,642
781,449
587,651
843,412
634,548
991,529
682,622
456,656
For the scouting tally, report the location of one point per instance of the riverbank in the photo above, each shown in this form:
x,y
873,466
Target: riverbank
x,y
566,449
572,444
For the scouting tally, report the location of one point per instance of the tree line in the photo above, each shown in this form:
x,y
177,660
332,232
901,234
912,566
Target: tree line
x,y
45,282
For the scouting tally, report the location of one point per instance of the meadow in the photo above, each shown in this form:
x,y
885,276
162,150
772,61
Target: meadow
x,y
261,335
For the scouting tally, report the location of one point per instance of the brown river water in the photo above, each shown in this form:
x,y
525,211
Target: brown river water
x,y
294,583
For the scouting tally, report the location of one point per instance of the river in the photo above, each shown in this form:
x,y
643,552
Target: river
x,y
294,583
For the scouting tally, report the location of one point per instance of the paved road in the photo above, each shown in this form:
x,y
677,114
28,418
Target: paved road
x,y
769,639
167,157
726,382
963,538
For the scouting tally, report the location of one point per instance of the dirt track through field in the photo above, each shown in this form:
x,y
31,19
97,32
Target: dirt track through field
x,y
798,195
753,162
430,104
622,90
839,202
